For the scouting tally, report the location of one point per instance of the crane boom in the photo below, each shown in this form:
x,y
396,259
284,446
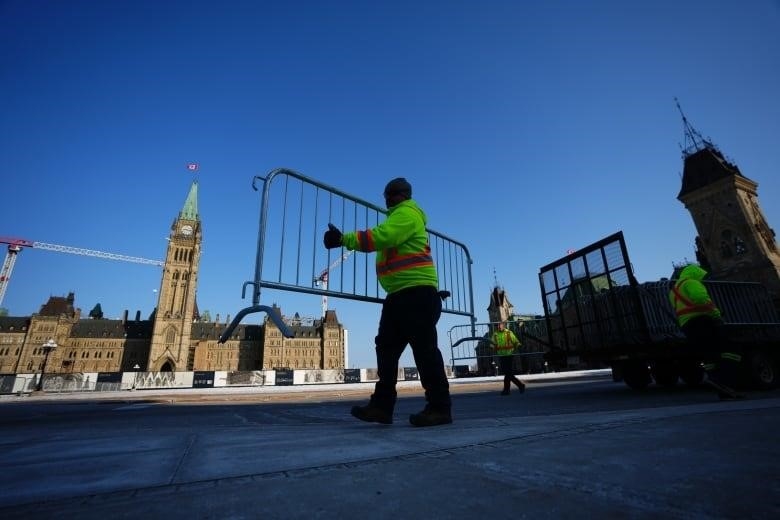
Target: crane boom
x,y
98,254
322,279
17,244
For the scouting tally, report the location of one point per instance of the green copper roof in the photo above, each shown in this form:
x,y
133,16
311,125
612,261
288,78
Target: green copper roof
x,y
190,209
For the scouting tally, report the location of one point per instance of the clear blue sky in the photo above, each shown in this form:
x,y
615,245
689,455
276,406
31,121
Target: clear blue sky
x,y
553,122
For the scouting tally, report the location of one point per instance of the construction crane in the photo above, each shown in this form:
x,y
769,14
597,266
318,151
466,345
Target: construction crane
x,y
15,245
322,279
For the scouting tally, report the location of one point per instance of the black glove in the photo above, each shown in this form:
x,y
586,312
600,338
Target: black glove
x,y
332,237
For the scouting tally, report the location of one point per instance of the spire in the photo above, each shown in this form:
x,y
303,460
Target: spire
x,y
190,209
693,139
703,162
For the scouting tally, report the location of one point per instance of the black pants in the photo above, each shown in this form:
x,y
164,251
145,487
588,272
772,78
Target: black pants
x,y
410,317
507,367
705,335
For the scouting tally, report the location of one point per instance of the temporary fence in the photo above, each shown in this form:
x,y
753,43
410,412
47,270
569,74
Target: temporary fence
x,y
473,350
294,214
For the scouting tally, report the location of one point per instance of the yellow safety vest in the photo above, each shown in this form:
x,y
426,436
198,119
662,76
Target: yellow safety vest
x,y
505,341
685,309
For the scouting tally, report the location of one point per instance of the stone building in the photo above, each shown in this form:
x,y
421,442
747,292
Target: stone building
x,y
734,240
173,338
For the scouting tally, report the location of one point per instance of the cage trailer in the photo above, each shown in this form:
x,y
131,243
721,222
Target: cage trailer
x,y
597,315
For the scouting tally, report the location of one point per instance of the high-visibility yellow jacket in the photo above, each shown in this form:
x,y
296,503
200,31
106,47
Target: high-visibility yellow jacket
x,y
689,296
403,253
505,342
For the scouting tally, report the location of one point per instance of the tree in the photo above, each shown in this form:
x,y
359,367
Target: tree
x,y
3,311
205,317
96,313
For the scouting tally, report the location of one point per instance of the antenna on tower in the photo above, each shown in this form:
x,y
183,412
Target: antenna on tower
x,y
495,278
693,139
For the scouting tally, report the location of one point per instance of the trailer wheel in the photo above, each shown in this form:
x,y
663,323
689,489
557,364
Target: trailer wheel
x,y
636,375
692,375
665,374
763,370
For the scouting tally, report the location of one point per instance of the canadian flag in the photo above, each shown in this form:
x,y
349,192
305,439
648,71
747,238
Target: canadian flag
x,y
192,166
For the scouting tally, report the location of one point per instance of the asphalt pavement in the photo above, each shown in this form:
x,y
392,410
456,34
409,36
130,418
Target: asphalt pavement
x,y
572,446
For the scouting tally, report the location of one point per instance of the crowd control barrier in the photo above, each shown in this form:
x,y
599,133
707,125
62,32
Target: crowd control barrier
x,y
294,214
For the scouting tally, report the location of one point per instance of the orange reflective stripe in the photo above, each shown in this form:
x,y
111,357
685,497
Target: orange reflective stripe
x,y
365,241
402,263
690,307
705,308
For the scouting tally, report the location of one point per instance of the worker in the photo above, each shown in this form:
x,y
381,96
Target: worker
x,y
505,342
411,310
702,323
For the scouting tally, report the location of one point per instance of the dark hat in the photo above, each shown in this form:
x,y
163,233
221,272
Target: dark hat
x,y
398,185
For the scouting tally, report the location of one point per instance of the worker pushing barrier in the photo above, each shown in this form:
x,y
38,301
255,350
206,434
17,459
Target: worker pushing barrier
x,y
411,310
295,211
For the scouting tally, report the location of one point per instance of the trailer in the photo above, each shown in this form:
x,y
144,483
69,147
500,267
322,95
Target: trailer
x,y
597,315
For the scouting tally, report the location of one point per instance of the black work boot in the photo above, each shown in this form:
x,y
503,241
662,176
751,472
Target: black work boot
x,y
506,389
521,387
372,413
431,417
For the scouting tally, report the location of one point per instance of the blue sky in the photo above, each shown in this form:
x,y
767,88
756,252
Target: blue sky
x,y
526,129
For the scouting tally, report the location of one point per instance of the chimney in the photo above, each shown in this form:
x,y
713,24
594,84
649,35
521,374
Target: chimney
x,y
227,320
124,317
137,315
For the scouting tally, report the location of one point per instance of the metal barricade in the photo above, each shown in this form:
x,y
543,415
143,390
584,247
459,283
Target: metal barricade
x,y
474,343
294,213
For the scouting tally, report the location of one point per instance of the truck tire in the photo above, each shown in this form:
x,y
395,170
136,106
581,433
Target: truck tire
x,y
762,370
636,375
664,373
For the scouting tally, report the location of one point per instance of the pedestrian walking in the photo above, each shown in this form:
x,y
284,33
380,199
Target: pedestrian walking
x,y
411,310
505,343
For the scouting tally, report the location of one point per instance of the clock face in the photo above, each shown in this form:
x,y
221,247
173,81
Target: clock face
x,y
186,230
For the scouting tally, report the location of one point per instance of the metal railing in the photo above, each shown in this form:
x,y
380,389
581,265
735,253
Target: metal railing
x,y
295,212
473,343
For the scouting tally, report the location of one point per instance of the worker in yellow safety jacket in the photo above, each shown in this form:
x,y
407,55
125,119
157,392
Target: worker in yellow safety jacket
x,y
411,310
702,323
505,343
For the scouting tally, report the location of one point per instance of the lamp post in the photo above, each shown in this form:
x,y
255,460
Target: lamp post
x,y
47,348
136,367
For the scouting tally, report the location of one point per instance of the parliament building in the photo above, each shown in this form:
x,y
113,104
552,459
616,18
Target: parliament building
x,y
174,338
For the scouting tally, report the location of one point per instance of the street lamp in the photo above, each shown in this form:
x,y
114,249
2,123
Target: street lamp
x,y
47,348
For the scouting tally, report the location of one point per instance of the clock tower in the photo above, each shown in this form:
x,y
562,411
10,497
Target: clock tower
x,y
175,311
734,239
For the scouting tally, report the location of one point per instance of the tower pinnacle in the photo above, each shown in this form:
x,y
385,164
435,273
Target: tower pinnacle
x,y
190,209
